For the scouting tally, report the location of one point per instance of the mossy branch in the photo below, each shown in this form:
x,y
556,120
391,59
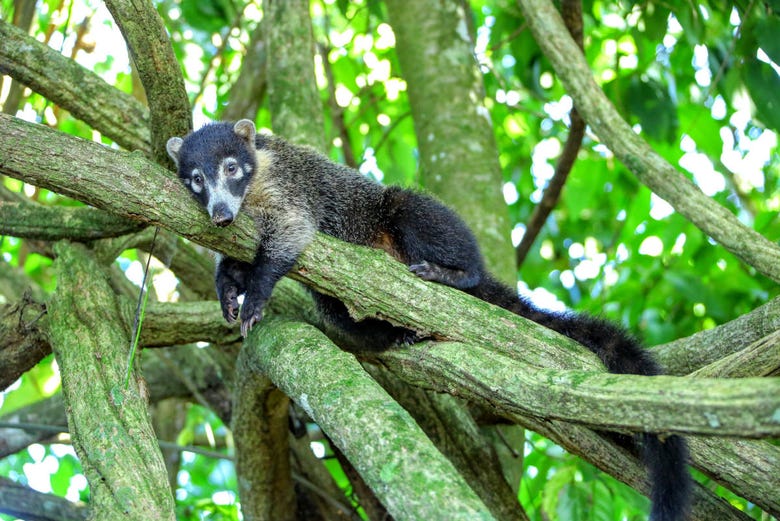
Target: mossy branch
x,y
80,91
405,469
110,426
152,54
50,223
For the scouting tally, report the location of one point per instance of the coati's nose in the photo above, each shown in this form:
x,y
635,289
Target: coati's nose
x,y
222,216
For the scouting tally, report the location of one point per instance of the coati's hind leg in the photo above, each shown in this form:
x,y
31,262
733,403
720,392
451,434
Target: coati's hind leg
x,y
370,334
231,278
432,239
456,278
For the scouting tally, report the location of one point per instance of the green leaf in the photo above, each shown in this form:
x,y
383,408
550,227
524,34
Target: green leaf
x,y
766,31
762,83
649,100
209,16
553,491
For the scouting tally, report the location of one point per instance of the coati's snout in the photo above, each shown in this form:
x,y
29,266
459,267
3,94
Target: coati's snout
x,y
221,215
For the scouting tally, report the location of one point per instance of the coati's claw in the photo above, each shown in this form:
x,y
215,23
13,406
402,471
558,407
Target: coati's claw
x,y
409,337
251,314
246,327
229,303
424,270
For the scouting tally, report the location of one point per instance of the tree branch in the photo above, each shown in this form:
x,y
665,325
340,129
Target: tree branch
x,y
337,393
290,46
152,53
23,502
260,429
654,405
454,132
571,12
80,91
686,355
50,223
649,167
109,424
23,342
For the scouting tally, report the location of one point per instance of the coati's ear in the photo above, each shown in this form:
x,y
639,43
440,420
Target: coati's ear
x,y
246,129
173,146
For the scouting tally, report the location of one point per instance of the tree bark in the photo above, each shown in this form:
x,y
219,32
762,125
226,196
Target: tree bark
x,y
453,127
296,110
152,53
380,438
260,430
109,424
75,88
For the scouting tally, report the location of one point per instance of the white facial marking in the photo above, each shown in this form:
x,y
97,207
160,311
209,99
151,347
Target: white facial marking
x,y
230,168
195,181
219,189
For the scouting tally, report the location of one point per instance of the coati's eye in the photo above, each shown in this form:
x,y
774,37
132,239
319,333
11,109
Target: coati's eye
x,y
231,168
196,182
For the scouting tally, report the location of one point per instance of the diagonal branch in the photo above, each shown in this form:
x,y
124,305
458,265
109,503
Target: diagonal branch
x,y
152,53
649,167
80,91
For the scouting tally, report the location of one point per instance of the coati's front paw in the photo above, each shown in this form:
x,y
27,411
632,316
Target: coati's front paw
x,y
228,299
251,314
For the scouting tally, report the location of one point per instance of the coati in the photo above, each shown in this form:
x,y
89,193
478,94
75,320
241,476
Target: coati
x,y
291,192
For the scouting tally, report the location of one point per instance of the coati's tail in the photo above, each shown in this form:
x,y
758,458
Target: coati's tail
x,y
671,482
666,459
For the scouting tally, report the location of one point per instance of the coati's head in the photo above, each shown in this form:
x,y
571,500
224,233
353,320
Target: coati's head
x,y
216,163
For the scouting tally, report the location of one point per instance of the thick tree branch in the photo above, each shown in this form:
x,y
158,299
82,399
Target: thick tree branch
x,y
761,358
261,430
454,132
23,342
152,53
402,466
449,425
746,467
109,424
50,223
589,397
78,90
686,355
25,503
290,47
651,169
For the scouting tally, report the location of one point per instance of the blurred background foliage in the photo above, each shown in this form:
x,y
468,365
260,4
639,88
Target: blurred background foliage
x,y
698,79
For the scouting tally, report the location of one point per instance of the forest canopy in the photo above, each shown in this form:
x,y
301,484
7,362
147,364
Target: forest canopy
x,y
654,205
